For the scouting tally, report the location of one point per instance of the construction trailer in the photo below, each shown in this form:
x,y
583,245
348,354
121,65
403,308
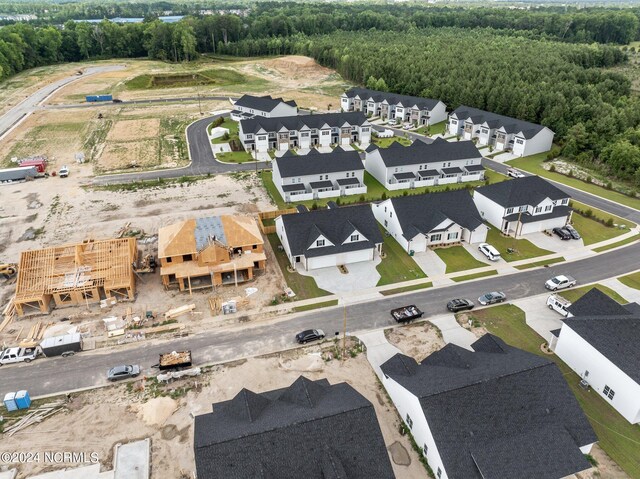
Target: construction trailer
x,y
208,252
75,274
21,173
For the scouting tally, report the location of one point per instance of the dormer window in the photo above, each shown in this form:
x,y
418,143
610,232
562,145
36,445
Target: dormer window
x,y
355,238
320,242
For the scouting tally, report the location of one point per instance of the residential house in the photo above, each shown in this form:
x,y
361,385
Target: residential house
x,y
403,108
311,430
501,132
203,252
330,237
318,175
425,221
600,341
422,164
494,412
304,131
523,205
249,106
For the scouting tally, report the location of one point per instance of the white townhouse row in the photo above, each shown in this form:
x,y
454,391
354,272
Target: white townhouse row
x,y
249,106
409,109
304,131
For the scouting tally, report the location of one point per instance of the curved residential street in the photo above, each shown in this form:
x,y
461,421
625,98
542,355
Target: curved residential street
x,y
225,343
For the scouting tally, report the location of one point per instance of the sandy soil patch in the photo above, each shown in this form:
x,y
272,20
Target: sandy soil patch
x,y
298,67
128,130
134,154
156,411
467,321
417,340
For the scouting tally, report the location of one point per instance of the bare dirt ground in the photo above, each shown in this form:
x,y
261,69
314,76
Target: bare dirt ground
x,y
416,340
129,130
126,413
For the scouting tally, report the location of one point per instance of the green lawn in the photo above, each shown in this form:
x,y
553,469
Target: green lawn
x,y
234,157
631,280
540,263
593,231
405,289
533,164
576,293
398,266
467,277
458,259
386,142
623,242
617,437
305,287
524,249
309,307
230,125
435,129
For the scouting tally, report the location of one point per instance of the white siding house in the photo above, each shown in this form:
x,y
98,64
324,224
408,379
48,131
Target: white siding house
x,y
431,220
421,164
404,108
522,138
249,106
318,175
523,205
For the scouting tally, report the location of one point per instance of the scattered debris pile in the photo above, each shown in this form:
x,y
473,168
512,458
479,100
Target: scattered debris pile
x,y
36,416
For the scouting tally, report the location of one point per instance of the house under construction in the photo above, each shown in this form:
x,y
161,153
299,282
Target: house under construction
x,y
75,274
207,252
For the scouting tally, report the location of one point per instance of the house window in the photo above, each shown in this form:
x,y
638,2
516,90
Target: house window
x,y
355,237
519,142
607,392
325,132
386,223
304,135
321,177
565,201
538,209
187,257
326,177
439,473
168,260
548,208
255,246
509,211
437,237
454,122
262,138
320,242
522,209
249,137
452,236
425,449
485,131
448,164
385,209
409,421
390,214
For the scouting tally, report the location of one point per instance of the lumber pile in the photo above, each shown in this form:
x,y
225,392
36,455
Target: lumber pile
x,y
34,417
174,313
9,313
215,303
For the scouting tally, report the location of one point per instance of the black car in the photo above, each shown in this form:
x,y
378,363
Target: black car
x,y
572,231
459,304
562,233
116,100
309,335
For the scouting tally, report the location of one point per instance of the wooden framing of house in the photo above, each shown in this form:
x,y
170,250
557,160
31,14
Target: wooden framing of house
x,y
75,274
209,252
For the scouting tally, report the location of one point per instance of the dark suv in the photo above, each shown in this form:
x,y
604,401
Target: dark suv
x,y
562,233
309,335
459,304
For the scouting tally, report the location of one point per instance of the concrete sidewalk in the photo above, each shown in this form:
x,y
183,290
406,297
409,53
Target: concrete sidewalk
x,y
632,295
379,350
452,332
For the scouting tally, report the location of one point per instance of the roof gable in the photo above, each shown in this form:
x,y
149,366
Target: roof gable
x,y
596,303
295,122
392,98
420,152
262,103
530,190
493,120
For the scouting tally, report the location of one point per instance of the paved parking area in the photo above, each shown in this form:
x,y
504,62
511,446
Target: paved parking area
x,y
452,332
553,243
630,294
361,275
538,315
431,264
379,350
324,149
502,157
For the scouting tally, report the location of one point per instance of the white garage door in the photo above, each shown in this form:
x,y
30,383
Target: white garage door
x,y
344,258
543,225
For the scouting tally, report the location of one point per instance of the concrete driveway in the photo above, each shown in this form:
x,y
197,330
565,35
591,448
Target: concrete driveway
x,y
361,275
538,315
502,157
452,332
379,350
630,294
553,243
431,264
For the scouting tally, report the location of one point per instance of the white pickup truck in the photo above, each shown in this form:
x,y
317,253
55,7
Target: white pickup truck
x,y
560,282
17,355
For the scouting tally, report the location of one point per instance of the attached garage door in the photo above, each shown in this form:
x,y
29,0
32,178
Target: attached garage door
x,y
344,258
543,225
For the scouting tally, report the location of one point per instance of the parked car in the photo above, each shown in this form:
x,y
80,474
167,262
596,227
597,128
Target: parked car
x,y
559,304
459,304
123,372
64,172
17,355
116,100
408,126
309,335
562,233
489,251
513,173
573,232
492,298
560,282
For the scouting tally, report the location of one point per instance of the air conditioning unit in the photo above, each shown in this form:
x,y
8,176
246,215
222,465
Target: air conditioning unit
x,y
584,384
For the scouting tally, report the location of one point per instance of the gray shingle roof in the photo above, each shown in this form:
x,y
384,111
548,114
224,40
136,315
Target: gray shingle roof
x,y
309,430
420,214
511,125
335,224
297,122
530,190
474,401
294,187
420,152
315,164
392,98
474,168
404,176
262,103
596,303
452,170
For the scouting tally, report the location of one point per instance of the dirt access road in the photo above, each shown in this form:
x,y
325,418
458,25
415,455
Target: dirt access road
x,y
13,117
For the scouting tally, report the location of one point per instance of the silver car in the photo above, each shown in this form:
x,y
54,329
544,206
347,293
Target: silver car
x,y
123,372
492,298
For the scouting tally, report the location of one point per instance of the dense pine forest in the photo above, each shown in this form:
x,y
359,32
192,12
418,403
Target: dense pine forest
x,y
547,65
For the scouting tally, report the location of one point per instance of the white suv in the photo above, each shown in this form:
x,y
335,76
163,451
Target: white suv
x,y
489,251
64,172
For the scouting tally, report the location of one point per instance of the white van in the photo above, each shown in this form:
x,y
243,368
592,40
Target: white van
x,y
489,251
559,304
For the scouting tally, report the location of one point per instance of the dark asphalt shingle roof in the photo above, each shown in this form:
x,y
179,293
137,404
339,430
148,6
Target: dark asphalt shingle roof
x,y
404,176
335,224
294,187
316,164
392,98
511,125
474,168
420,153
262,103
475,401
297,122
557,212
530,190
309,430
428,173
596,303
420,214
320,184
451,171
348,181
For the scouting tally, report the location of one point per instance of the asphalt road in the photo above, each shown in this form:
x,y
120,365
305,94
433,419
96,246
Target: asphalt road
x,y
29,104
135,102
88,369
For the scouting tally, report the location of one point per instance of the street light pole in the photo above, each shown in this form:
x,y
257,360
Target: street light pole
x,y
344,333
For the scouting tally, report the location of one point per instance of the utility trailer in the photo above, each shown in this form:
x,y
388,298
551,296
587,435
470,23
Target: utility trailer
x,y
406,313
175,360
65,345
